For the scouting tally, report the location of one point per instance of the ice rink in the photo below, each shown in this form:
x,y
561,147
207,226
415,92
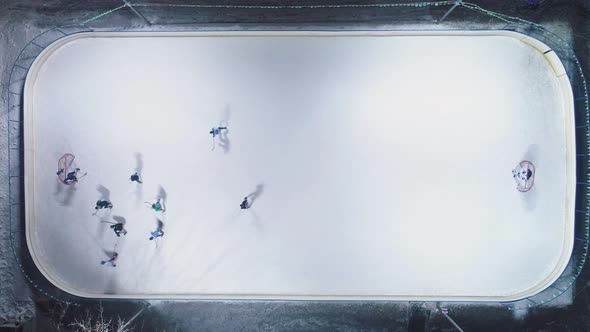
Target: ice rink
x,y
377,165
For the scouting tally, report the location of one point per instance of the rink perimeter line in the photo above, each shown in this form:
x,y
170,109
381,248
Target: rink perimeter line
x,y
552,60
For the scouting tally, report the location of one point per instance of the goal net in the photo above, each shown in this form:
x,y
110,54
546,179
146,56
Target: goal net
x,y
65,164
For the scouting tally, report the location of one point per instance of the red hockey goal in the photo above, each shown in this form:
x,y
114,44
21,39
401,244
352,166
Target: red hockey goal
x,y
65,165
524,175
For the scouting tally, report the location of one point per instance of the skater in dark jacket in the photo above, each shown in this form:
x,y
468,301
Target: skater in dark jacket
x,y
101,204
118,229
135,177
244,204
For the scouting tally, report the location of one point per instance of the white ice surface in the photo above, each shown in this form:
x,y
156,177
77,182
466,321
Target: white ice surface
x,y
385,164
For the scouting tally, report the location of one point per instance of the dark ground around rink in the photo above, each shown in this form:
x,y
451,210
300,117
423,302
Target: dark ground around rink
x,y
22,20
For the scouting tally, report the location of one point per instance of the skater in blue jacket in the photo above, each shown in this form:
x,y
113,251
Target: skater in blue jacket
x,y
216,131
156,233
72,177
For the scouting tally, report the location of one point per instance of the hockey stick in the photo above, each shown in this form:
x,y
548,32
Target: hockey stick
x,y
108,222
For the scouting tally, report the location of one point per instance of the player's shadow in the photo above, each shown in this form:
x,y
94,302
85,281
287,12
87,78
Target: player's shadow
x,y
138,192
159,225
105,193
163,196
138,163
120,220
253,196
109,253
224,141
64,194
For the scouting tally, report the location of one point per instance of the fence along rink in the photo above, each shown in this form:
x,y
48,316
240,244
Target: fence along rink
x,y
558,45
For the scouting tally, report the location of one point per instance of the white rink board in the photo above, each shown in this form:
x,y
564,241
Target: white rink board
x,y
385,160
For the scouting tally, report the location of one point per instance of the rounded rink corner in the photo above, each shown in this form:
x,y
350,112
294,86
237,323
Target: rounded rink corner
x,y
289,85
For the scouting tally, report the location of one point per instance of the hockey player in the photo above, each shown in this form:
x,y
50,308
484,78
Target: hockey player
x,y
135,177
157,206
523,174
157,233
72,177
110,261
216,131
101,204
244,204
118,229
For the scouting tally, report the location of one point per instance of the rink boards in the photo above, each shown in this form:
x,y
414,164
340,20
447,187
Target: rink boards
x,y
378,164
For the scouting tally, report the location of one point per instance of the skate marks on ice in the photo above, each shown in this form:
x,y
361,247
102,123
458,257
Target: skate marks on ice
x,y
230,241
222,254
529,198
219,258
235,230
254,220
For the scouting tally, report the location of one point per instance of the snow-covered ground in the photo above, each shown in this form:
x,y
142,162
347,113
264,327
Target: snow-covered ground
x,y
378,166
